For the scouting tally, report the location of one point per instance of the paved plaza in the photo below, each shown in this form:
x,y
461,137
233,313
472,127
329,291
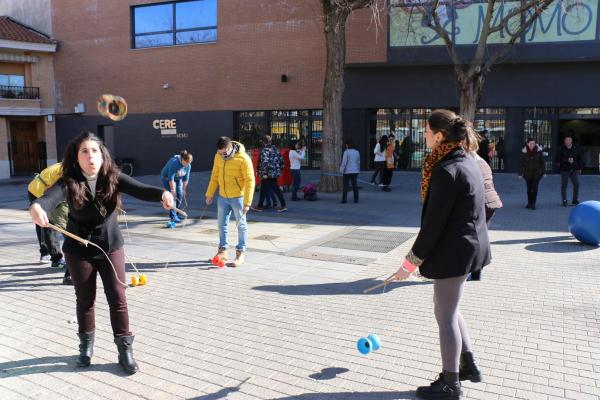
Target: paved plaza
x,y
285,325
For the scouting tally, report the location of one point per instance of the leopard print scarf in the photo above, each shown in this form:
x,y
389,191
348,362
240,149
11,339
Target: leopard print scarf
x,y
431,161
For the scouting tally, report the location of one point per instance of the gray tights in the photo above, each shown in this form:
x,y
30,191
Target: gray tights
x,y
454,336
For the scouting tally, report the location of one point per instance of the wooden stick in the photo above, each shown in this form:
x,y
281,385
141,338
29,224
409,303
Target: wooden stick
x,y
69,234
387,280
180,212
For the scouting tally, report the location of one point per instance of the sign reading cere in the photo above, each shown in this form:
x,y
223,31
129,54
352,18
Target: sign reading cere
x,y
563,21
168,128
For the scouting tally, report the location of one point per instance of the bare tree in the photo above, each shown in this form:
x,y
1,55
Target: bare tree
x,y
335,15
470,74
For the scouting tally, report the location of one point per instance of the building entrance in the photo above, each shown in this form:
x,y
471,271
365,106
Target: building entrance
x,y
586,134
23,148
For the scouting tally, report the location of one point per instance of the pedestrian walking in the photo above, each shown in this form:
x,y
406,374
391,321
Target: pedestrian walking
x,y
296,156
532,169
379,160
452,242
269,168
350,168
175,177
569,161
233,174
389,165
92,187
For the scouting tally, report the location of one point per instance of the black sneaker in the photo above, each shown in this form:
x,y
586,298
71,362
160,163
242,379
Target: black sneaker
x,y
67,280
564,203
575,202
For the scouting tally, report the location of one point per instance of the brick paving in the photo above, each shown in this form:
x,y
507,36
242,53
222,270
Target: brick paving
x,y
284,326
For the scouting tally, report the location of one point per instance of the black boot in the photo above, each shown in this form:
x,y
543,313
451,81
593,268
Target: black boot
x,y
468,370
124,345
445,387
86,349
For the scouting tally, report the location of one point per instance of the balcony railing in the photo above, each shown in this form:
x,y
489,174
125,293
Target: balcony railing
x,y
19,92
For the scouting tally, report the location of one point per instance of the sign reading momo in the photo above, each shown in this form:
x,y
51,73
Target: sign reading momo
x,y
563,21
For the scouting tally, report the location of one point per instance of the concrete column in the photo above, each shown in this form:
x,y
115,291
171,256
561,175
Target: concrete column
x,y
50,139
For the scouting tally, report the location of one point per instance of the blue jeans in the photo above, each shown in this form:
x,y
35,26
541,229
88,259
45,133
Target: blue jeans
x,y
296,179
178,195
225,206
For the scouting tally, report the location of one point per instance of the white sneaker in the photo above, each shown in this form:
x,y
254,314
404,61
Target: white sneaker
x,y
46,259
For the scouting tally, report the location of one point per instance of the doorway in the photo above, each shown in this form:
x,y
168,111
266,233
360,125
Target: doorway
x,y
23,146
586,135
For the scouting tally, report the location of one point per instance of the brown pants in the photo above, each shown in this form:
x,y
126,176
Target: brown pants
x,y
83,273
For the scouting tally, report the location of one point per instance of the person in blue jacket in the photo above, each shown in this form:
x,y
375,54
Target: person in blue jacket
x,y
176,176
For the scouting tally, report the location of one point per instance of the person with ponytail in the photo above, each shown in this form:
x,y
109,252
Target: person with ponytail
x,y
452,242
91,186
175,177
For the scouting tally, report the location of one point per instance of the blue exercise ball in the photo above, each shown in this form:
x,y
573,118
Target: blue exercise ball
x,y
584,222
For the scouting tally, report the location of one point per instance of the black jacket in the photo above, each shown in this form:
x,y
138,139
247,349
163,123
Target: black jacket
x,y
532,165
563,158
453,239
89,224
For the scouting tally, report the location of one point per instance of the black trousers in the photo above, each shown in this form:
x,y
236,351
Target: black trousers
x,y
84,273
532,190
379,168
48,239
564,181
267,183
350,178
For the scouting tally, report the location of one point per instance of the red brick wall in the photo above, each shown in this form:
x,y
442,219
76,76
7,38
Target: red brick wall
x,y
258,40
367,36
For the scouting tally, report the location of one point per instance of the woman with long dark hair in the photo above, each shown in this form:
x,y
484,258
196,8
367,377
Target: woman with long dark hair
x,y
92,184
452,242
379,160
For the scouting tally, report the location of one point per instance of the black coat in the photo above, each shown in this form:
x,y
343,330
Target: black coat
x,y
89,224
563,158
532,164
453,239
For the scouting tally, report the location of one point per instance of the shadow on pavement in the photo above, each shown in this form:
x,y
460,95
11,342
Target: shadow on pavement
x,y
560,247
328,373
324,289
548,239
352,396
221,393
50,364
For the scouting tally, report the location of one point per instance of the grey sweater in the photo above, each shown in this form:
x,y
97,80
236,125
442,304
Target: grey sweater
x,y
350,162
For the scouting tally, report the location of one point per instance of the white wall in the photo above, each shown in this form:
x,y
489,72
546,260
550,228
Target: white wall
x,y
34,13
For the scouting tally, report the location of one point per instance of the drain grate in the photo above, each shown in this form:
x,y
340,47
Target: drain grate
x,y
369,240
266,237
301,226
209,231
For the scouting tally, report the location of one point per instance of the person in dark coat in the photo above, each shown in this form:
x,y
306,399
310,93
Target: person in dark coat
x,y
532,170
569,161
452,242
92,188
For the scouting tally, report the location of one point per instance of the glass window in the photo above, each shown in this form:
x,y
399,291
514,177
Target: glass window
x,y
196,14
153,18
168,24
12,80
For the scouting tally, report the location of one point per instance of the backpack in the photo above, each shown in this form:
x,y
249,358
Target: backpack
x,y
45,179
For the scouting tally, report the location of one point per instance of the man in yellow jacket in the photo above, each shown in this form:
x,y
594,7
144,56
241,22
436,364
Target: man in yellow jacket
x,y
233,173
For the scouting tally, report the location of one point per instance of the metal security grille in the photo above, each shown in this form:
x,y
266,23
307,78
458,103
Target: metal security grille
x,y
369,240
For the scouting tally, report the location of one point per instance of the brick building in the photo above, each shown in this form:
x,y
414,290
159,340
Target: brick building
x,y
206,68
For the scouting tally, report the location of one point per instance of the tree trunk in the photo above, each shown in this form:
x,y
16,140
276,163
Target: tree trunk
x,y
469,94
333,90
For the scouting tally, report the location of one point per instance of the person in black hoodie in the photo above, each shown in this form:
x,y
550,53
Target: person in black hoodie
x,y
452,242
569,161
532,169
91,187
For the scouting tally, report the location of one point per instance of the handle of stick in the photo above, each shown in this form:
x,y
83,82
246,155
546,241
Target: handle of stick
x,y
69,234
180,212
388,280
